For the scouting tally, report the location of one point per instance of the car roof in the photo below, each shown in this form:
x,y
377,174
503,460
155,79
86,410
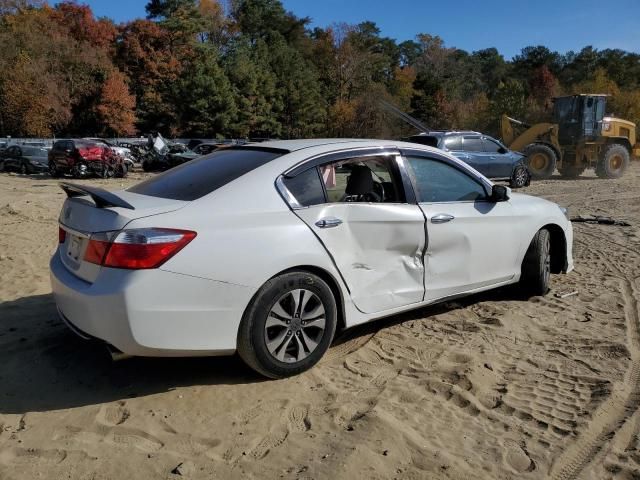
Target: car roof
x,y
295,145
436,133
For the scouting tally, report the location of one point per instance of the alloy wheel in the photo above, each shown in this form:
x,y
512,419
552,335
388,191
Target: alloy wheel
x,y
521,177
295,325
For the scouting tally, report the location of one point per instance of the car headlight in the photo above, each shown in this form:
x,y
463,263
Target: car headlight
x,y
606,126
565,212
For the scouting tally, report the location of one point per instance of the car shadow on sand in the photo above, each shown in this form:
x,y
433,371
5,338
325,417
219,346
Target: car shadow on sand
x,y
44,366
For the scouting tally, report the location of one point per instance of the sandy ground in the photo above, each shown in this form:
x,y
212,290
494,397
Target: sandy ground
x,y
493,386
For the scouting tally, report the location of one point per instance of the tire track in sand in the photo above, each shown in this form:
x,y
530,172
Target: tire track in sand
x,y
625,396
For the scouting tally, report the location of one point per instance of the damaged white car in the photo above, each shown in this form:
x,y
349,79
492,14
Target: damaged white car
x,y
268,249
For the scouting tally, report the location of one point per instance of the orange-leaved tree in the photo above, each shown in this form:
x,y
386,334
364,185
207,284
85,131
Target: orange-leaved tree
x,y
116,106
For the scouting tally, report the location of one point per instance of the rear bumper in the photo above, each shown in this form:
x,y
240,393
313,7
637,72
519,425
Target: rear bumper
x,y
151,312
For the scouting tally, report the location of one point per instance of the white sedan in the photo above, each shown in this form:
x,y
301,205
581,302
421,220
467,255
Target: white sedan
x,y
268,249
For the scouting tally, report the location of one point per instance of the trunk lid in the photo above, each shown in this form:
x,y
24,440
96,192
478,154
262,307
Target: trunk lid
x,y
90,211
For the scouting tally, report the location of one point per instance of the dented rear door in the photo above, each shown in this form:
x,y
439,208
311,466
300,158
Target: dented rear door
x,y
377,247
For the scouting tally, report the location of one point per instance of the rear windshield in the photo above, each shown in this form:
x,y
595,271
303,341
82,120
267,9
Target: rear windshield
x,y
203,175
429,140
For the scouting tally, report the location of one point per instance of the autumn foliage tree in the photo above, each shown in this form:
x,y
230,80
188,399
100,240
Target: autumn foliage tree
x,y
116,106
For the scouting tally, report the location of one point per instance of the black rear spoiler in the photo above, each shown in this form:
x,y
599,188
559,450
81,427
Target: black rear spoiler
x,y
100,196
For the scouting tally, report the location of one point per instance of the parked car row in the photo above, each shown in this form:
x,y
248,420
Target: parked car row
x,y
105,158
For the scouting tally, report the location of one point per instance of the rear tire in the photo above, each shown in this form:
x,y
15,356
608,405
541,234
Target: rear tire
x,y
541,160
536,266
613,162
277,337
520,177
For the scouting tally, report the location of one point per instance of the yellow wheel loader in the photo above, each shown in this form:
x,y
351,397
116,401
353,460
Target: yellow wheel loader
x,y
582,137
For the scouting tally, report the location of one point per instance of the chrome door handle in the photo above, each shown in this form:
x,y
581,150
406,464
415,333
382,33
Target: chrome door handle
x,y
329,222
442,218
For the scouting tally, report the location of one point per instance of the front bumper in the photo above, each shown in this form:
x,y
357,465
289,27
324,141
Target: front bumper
x,y
151,312
568,235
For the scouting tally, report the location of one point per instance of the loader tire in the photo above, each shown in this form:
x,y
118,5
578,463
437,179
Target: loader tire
x,y
541,160
613,162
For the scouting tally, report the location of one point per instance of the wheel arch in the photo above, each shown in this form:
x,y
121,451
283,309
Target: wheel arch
x,y
623,141
324,275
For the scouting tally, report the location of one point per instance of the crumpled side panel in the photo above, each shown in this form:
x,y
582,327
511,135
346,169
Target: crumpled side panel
x,y
378,249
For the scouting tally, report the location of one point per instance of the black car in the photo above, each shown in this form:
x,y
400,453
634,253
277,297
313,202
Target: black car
x,y
487,155
24,159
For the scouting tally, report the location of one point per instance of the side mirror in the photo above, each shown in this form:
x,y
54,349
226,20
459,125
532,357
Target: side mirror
x,y
499,193
503,150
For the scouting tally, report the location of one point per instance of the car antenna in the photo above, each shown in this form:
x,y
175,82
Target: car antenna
x,y
405,117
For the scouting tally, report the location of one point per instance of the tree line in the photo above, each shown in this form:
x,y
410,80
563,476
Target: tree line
x,y
249,68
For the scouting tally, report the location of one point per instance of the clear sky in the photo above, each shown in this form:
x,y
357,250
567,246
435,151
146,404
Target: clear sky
x,y
508,25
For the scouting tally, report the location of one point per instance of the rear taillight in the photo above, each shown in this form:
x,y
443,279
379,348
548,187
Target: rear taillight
x,y
62,235
137,248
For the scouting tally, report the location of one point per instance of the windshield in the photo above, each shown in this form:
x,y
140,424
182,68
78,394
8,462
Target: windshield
x,y
565,109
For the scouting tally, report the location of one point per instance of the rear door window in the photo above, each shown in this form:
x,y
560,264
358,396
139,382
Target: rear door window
x,y
453,143
473,144
203,175
306,188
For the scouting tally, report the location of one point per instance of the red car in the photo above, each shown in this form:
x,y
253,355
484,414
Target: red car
x,y
84,158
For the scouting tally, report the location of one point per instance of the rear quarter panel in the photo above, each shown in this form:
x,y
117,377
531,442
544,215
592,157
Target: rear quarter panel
x,y
246,234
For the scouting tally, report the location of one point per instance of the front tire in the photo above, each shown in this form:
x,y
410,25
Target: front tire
x,y
80,170
520,177
536,266
289,325
53,170
541,160
613,161
121,170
